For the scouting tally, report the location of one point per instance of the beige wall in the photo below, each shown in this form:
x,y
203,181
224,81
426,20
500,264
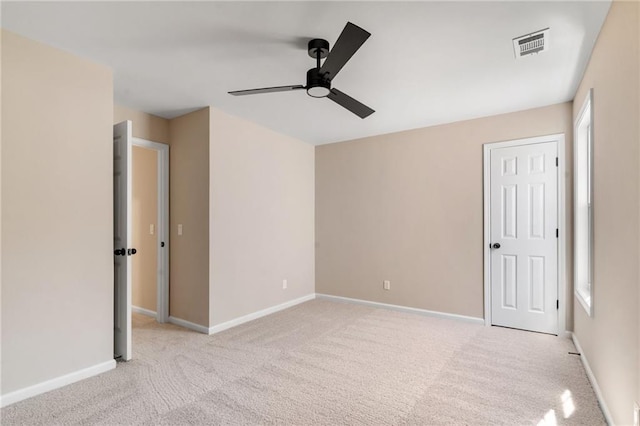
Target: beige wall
x,y
145,126
610,338
144,215
189,206
262,218
57,214
407,207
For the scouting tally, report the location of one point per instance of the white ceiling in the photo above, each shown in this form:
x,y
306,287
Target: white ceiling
x,y
426,63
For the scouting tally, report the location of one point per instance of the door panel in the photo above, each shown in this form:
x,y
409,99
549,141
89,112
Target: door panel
x,y
524,218
509,282
509,209
122,239
536,283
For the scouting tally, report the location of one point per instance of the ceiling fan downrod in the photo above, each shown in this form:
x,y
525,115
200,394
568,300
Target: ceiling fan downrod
x,y
318,49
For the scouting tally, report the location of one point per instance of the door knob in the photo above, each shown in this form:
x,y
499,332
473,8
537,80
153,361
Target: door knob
x,y
119,252
132,251
496,245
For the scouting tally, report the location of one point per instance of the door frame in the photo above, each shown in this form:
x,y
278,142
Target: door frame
x,y
562,233
162,303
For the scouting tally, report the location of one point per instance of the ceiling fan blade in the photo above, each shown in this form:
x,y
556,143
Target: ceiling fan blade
x,y
266,90
349,41
346,101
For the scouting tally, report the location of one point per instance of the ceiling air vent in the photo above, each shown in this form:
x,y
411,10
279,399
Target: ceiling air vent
x,y
531,43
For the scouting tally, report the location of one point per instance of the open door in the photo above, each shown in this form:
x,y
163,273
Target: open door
x,y
122,136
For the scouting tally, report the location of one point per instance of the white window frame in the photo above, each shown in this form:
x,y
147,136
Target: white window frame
x,y
583,137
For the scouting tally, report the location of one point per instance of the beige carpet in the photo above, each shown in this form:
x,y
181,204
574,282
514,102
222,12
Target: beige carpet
x,y
330,363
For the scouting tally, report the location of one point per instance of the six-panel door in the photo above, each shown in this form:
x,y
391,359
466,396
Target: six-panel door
x,y
524,245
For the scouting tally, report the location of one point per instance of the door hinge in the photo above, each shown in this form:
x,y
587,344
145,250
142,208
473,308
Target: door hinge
x,y
557,233
557,304
556,161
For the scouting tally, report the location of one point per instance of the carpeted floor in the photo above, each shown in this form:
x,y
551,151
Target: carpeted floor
x,y
330,363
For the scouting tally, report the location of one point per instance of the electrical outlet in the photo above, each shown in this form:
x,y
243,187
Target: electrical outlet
x,y
386,284
636,414
284,284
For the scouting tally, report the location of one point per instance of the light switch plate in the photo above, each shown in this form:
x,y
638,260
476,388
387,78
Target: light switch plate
x,y
152,229
179,229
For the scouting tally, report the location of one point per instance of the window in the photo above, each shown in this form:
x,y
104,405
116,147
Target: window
x,y
583,205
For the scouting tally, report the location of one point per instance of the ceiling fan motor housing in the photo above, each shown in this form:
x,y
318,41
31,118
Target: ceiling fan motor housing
x,y
317,85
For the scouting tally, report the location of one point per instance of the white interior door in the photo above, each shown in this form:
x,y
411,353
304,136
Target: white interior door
x,y
524,244
122,239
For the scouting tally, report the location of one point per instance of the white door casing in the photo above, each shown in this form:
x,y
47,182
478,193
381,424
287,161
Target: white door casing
x,y
162,303
122,135
523,212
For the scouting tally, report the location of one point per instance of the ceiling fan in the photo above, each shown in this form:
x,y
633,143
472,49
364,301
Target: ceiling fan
x,y
319,78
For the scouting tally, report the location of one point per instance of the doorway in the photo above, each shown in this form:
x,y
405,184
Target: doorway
x,y
142,151
124,228
523,243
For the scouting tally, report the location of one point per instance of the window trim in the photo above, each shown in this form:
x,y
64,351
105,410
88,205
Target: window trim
x,y
584,298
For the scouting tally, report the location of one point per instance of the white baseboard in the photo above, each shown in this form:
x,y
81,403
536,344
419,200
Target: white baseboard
x,y
143,311
190,325
259,314
56,383
402,308
594,382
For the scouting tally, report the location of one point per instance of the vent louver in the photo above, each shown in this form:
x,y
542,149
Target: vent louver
x,y
531,43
